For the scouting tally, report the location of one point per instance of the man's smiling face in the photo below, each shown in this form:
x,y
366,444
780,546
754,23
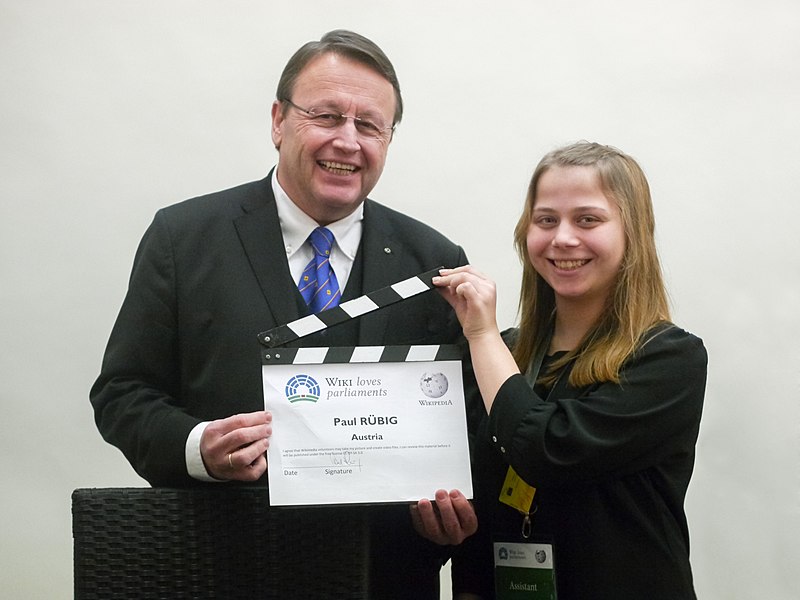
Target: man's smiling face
x,y
327,171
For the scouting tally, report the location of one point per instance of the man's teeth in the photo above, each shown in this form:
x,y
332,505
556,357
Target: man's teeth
x,y
569,265
337,167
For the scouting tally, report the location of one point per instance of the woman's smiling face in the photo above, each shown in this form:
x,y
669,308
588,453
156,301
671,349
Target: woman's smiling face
x,y
576,238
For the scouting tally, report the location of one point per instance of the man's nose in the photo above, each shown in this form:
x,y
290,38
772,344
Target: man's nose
x,y
346,135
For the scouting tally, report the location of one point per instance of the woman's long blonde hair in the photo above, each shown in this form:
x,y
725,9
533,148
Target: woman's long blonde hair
x,y
639,298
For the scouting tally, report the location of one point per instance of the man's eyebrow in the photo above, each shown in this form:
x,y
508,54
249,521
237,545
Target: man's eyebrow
x,y
333,106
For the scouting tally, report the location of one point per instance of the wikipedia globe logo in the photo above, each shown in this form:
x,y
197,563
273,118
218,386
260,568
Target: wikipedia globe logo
x,y
302,388
433,385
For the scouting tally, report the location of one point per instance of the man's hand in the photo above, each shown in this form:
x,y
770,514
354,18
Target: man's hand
x,y
235,448
450,520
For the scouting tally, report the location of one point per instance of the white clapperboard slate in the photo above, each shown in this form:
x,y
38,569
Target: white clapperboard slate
x,y
386,430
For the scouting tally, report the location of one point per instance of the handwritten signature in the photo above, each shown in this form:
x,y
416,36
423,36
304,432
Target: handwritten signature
x,y
346,458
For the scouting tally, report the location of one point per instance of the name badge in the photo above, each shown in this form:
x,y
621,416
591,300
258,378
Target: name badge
x,y
524,571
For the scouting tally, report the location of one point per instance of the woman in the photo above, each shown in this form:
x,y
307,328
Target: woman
x,y
594,402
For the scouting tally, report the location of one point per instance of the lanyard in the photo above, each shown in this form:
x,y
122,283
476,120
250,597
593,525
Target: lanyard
x,y
532,374
516,492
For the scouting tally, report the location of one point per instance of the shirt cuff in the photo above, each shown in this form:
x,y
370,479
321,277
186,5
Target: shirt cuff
x,y
194,460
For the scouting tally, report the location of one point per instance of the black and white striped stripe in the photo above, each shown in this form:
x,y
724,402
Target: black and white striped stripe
x,y
359,354
351,309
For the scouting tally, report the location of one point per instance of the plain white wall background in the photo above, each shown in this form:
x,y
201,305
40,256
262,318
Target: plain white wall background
x,y
111,110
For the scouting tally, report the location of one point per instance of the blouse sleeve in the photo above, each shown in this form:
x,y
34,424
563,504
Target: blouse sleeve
x,y
580,436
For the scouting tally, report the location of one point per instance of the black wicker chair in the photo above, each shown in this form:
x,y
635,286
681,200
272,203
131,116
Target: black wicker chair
x,y
147,543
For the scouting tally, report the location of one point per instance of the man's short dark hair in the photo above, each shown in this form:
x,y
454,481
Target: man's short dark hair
x,y
343,43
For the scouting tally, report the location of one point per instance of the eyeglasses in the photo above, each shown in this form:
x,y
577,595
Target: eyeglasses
x,y
327,119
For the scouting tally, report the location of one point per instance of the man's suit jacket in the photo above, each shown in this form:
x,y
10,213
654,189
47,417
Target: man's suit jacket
x,y
209,275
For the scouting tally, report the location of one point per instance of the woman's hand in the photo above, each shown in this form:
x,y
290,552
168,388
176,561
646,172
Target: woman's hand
x,y
473,296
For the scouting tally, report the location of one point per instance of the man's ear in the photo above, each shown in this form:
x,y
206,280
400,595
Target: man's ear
x,y
277,124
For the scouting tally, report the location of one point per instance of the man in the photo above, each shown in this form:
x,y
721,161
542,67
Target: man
x,y
180,389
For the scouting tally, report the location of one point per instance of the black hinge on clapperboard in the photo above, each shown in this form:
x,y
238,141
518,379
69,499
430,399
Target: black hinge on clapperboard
x,y
352,309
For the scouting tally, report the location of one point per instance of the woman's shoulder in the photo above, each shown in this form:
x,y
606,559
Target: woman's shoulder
x,y
668,337
662,337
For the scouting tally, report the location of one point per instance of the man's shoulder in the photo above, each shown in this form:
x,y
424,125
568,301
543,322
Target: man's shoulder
x,y
243,197
404,225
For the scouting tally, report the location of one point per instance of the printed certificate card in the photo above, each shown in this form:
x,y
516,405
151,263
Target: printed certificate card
x,y
366,424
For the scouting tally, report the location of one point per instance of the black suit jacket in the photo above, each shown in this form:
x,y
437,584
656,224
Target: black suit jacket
x,y
209,275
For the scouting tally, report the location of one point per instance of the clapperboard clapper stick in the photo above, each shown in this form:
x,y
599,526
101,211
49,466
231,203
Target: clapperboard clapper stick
x,y
349,310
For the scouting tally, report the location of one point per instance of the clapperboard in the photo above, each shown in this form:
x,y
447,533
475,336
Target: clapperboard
x,y
363,424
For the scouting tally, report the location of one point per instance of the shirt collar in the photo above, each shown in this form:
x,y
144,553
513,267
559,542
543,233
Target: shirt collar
x,y
296,225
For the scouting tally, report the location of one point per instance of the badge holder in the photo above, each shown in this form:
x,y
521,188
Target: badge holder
x,y
524,570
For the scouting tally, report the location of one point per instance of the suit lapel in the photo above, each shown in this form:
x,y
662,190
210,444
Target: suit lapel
x,y
382,252
260,234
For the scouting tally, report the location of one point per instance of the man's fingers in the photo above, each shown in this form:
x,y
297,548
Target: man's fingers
x,y
247,463
449,519
430,520
426,522
465,512
237,431
456,515
241,421
247,455
239,438
234,447
447,514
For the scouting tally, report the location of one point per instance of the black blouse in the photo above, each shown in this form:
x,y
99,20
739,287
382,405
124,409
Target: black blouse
x,y
610,463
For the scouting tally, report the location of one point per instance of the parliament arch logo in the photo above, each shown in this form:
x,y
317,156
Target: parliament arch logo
x,y
302,388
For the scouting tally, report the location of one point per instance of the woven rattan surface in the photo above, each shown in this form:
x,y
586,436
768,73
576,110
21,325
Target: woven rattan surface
x,y
148,543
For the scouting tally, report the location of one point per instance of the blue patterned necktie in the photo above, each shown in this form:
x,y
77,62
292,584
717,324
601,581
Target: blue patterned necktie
x,y
318,283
